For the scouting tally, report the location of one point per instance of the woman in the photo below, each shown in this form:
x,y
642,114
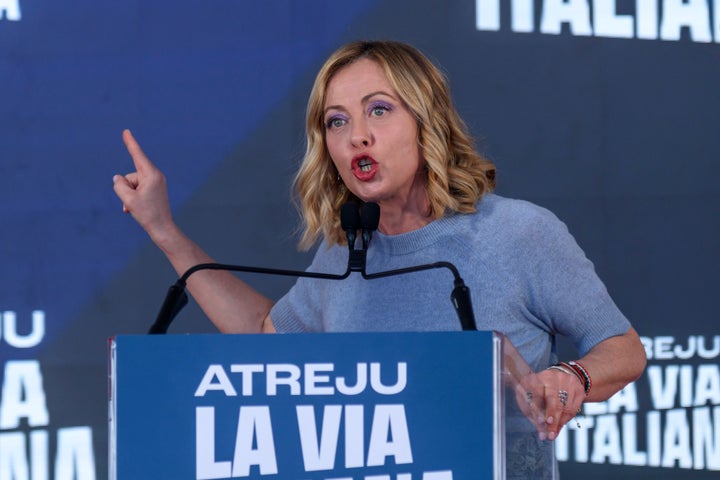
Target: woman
x,y
381,128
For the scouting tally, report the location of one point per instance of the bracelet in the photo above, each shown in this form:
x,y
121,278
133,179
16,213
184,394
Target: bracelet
x,y
582,373
584,378
566,368
561,369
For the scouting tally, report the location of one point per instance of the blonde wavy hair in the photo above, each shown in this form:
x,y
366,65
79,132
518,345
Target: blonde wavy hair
x,y
457,175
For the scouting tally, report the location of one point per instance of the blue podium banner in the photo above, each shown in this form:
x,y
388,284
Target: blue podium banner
x,y
405,406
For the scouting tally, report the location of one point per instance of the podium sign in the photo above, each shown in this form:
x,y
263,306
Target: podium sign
x,y
405,406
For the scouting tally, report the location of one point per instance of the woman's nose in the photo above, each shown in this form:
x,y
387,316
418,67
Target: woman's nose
x,y
361,136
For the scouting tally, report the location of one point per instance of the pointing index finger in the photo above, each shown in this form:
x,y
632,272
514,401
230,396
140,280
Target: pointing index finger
x,y
142,163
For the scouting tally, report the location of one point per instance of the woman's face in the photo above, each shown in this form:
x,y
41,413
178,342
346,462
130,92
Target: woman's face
x,y
371,136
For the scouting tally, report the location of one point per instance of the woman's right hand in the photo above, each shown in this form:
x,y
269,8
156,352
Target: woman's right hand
x,y
231,304
144,192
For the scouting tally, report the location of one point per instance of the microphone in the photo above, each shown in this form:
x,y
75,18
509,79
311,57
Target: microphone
x,y
369,221
365,218
352,219
350,222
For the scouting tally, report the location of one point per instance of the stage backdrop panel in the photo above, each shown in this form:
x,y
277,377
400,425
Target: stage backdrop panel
x,y
602,111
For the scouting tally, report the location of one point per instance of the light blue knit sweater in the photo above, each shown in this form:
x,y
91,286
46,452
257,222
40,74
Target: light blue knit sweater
x,y
527,276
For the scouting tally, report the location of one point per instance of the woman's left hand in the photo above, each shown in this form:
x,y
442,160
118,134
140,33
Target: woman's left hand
x,y
561,396
555,396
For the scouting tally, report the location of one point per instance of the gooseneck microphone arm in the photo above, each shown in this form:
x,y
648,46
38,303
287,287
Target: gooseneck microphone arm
x,y
351,220
177,298
460,295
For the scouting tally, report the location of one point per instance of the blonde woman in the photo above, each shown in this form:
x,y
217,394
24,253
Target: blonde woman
x,y
381,127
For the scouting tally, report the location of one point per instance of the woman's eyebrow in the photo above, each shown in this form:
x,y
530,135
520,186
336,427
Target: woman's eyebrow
x,y
362,100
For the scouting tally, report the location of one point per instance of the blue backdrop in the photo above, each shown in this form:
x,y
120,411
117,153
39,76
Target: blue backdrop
x,y
604,111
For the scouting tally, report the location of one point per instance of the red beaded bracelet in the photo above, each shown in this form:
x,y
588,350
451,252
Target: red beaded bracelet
x,y
581,373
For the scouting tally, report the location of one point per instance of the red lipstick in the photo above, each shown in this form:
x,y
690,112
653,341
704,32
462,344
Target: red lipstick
x,y
364,167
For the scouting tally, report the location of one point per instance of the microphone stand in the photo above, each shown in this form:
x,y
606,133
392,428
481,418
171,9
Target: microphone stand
x,y
351,221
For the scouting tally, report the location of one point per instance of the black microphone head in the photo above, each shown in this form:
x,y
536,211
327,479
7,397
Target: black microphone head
x,y
350,222
350,216
370,216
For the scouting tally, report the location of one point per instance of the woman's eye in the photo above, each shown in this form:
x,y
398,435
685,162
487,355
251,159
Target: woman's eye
x,y
335,122
379,110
